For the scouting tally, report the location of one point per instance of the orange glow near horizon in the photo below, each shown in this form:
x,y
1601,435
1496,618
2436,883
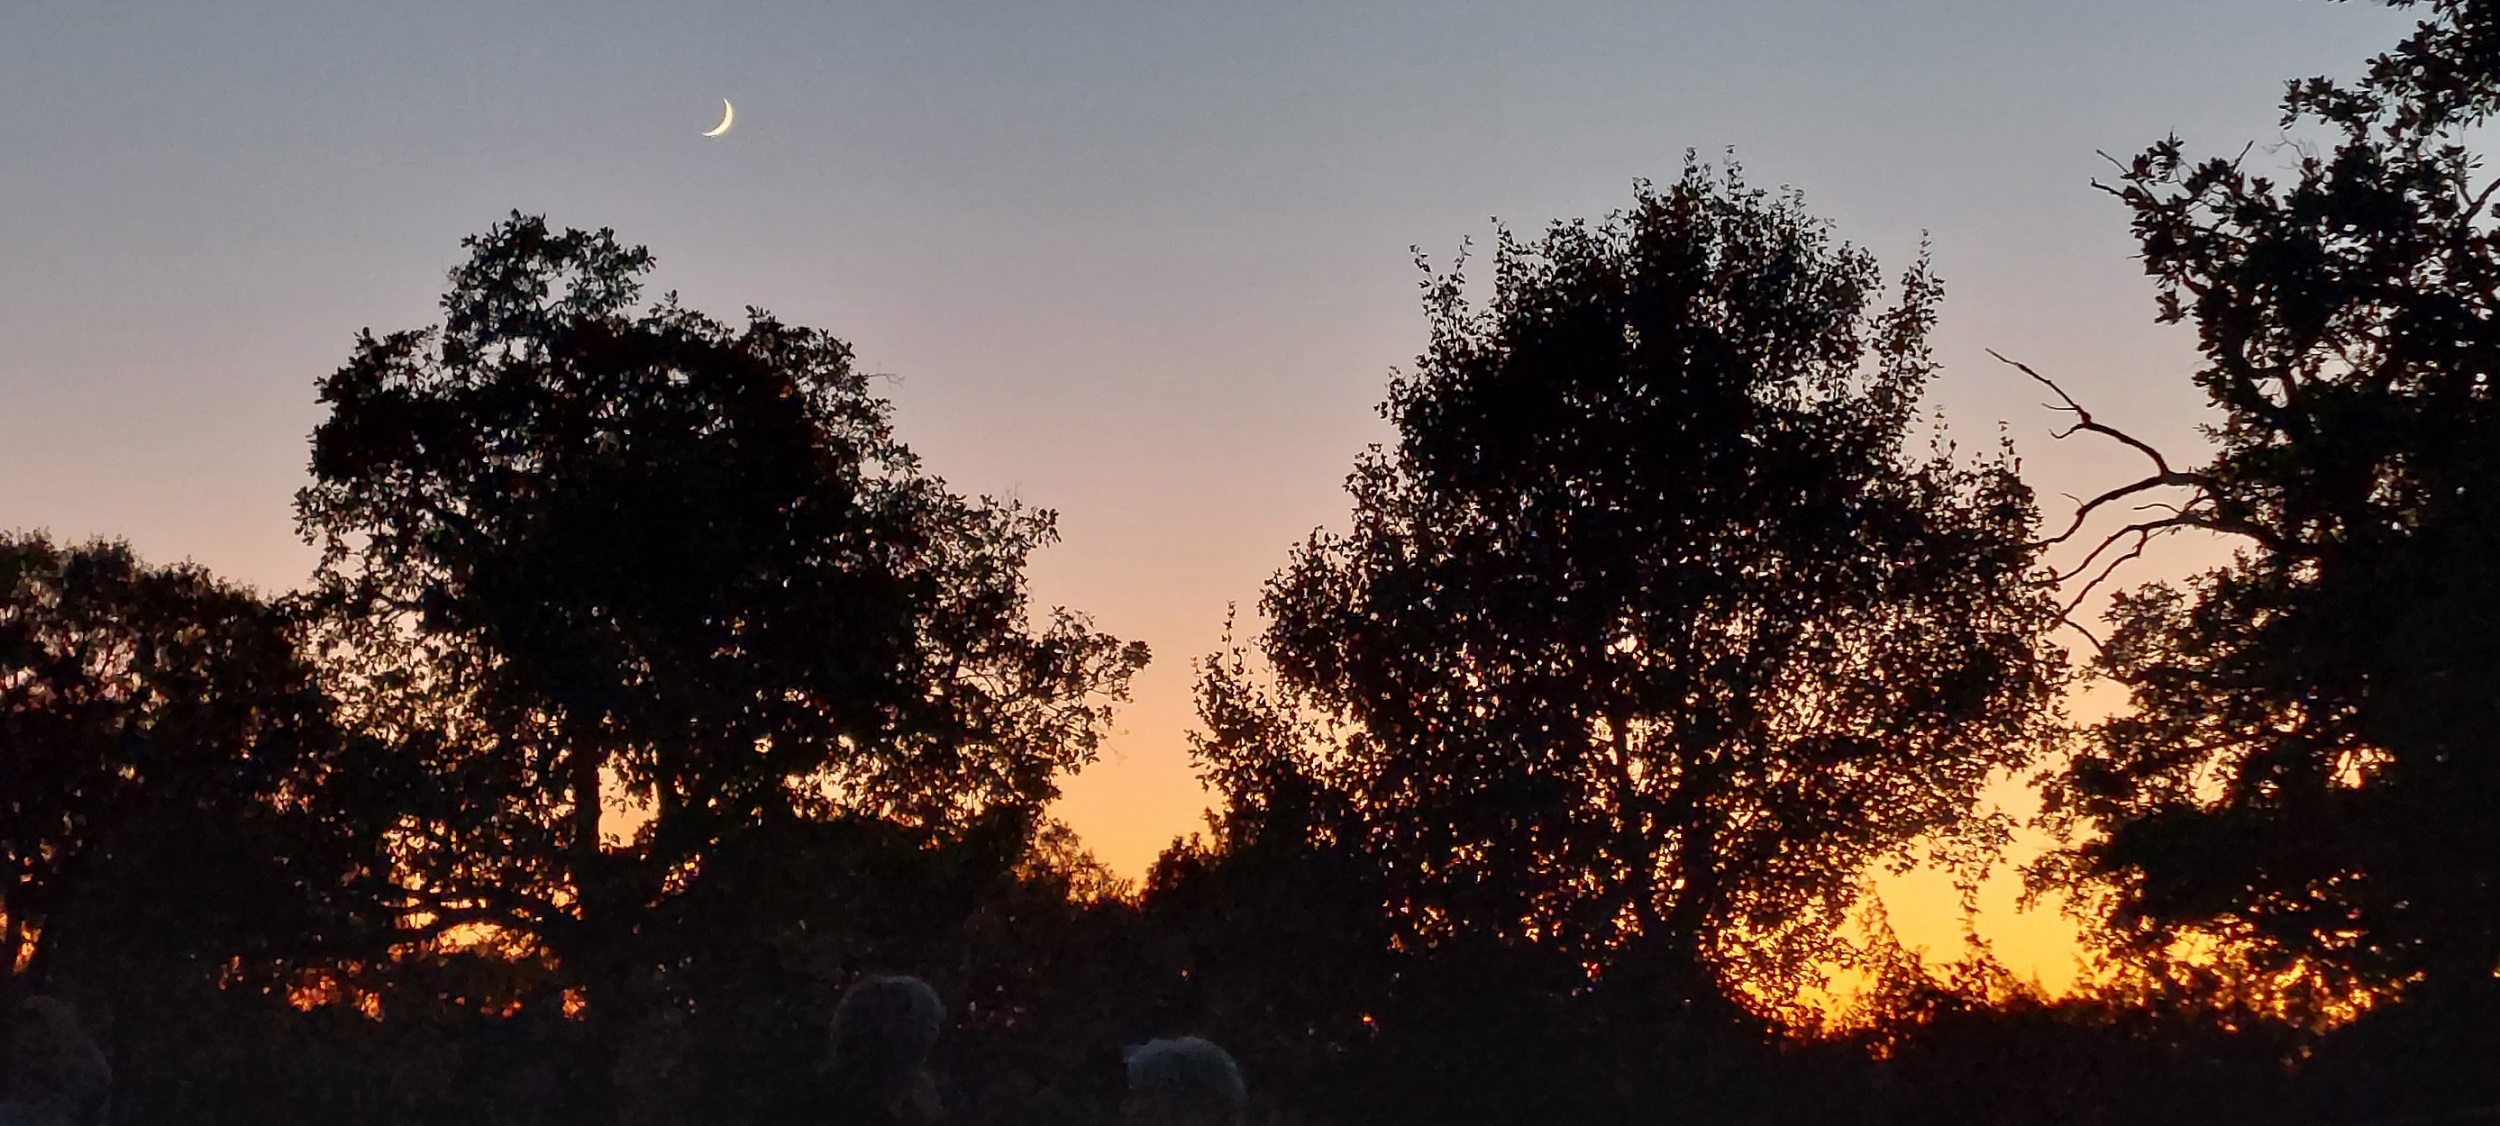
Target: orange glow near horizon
x,y
1142,795
1151,268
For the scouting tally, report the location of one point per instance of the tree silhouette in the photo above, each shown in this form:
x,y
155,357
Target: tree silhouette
x,y
1274,916
577,553
171,792
2308,770
1649,635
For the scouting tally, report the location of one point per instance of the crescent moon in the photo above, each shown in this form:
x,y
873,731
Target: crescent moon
x,y
728,115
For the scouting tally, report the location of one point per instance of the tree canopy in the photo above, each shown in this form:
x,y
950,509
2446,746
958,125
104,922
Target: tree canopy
x,y
1651,632
173,790
649,692
2308,769
582,554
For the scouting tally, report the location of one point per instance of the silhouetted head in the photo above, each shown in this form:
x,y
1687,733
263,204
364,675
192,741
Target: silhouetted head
x,y
52,1067
1184,1082
883,1029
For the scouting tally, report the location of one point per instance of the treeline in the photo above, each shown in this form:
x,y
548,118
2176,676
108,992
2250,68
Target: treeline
x,y
649,692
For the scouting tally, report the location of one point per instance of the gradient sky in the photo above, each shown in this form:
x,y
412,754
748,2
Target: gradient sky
x,y
1144,263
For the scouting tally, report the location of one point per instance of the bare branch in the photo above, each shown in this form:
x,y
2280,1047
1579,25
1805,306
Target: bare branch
x,y
2200,511
2143,534
2084,421
2084,510
2070,623
2163,475
2141,531
2481,198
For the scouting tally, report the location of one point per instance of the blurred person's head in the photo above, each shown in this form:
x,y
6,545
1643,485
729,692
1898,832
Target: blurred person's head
x,y
1183,1082
51,1063
883,1029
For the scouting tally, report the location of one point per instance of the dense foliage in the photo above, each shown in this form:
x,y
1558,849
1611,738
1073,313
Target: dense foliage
x,y
174,787
2309,770
649,693
1651,634
578,554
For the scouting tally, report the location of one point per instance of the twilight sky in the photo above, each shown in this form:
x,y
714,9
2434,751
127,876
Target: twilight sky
x,y
1144,263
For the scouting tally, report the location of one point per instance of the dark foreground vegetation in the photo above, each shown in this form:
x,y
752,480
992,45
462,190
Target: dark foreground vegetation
x,y
649,694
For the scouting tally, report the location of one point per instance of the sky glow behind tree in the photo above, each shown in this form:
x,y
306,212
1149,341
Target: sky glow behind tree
x,y
1144,264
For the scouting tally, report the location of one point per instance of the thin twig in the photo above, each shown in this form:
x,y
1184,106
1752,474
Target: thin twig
x,y
2142,530
2484,197
2083,418
2137,552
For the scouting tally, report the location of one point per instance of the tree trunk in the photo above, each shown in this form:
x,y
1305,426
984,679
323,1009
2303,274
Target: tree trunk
x,y
591,957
